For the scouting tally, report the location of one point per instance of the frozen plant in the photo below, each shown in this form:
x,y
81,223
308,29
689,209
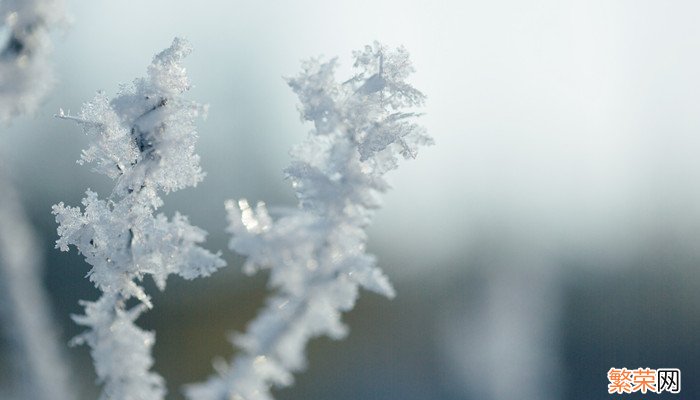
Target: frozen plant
x,y
144,140
39,368
316,252
25,72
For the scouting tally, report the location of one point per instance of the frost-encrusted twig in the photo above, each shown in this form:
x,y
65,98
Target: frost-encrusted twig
x,y
25,78
25,72
41,368
143,139
316,253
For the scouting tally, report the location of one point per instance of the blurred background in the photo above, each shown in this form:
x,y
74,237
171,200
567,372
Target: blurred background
x,y
552,233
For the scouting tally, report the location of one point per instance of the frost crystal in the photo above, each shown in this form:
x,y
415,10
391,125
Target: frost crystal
x,y
316,252
25,74
143,139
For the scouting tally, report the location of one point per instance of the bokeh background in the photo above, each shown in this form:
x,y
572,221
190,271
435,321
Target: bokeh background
x,y
552,233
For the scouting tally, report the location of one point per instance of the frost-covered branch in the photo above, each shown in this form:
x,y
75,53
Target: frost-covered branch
x,y
25,78
25,72
316,252
143,139
41,368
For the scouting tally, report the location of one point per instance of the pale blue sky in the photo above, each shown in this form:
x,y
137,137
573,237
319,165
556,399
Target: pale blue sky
x,y
570,123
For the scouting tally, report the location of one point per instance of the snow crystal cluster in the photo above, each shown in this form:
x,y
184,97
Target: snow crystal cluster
x,y
25,72
316,252
144,140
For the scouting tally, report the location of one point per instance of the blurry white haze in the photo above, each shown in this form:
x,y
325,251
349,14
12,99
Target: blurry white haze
x,y
558,212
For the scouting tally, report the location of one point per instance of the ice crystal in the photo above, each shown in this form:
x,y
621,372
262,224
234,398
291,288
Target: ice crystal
x,y
25,72
316,252
143,139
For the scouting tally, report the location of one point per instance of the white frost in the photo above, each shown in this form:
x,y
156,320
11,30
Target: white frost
x,y
144,139
316,252
26,75
41,368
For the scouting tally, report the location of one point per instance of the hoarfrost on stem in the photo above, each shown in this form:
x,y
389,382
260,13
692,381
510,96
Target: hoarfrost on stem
x,y
143,139
40,366
25,72
316,252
